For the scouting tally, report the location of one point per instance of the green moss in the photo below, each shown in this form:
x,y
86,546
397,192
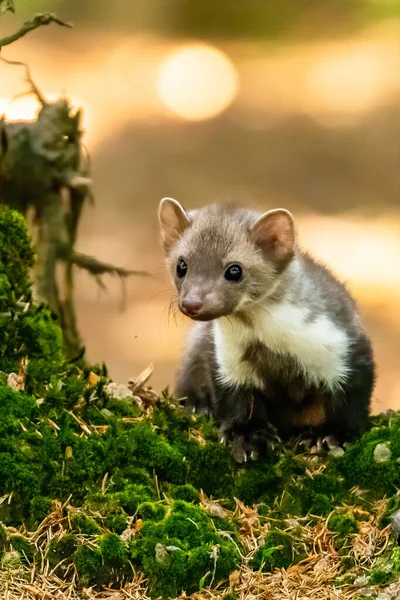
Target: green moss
x,y
392,505
21,545
395,436
3,540
11,561
257,482
153,452
113,551
131,474
321,492
39,509
16,258
343,580
132,496
116,523
167,571
84,524
33,332
186,492
379,577
395,558
344,524
387,567
151,511
277,552
289,465
360,468
177,552
61,549
188,523
211,469
348,563
13,407
88,564
105,504
290,504
319,504
208,560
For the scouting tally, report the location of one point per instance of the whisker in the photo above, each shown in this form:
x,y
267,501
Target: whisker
x,y
169,311
173,310
158,293
164,315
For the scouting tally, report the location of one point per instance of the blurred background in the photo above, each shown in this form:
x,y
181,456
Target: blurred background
x,y
291,104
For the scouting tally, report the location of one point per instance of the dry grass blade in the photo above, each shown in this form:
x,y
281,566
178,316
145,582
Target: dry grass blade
x,y
136,385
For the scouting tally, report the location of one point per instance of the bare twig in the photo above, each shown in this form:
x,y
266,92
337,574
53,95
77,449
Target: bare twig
x,y
6,5
34,89
92,265
3,139
37,21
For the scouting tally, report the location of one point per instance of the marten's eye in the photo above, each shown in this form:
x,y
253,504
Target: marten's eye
x,y
233,273
181,268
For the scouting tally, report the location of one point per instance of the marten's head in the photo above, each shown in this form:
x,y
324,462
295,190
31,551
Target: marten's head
x,y
224,258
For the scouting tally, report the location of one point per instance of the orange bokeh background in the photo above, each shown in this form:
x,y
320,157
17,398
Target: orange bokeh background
x,y
307,123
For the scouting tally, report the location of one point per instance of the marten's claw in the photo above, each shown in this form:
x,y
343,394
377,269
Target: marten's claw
x,y
203,411
199,410
238,449
306,443
254,455
197,405
250,446
318,445
330,441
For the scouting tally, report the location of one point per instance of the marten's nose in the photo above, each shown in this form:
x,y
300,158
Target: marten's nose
x,y
192,307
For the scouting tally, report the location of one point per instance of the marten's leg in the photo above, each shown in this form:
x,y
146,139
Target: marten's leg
x,y
242,416
343,413
195,377
348,408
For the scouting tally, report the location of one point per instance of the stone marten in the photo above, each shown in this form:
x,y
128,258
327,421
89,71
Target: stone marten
x,y
278,344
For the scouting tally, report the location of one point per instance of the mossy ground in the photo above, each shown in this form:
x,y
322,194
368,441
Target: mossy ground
x,y
129,491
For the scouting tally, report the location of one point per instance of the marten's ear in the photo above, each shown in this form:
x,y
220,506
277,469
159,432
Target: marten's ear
x,y
173,222
274,233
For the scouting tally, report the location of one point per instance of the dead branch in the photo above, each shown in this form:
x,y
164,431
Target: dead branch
x,y
37,21
6,5
3,139
92,265
34,89
43,171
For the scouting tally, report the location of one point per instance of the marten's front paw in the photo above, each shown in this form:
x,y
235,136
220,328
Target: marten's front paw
x,y
197,405
252,445
318,445
241,451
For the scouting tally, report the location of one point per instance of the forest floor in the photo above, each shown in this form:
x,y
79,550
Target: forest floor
x,y
112,491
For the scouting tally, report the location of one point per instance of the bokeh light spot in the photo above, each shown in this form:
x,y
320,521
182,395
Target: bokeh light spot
x,y
197,82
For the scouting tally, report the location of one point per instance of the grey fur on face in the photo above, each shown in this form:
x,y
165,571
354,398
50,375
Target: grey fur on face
x,y
213,239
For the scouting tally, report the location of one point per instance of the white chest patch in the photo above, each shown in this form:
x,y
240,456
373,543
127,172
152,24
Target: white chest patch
x,y
319,347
